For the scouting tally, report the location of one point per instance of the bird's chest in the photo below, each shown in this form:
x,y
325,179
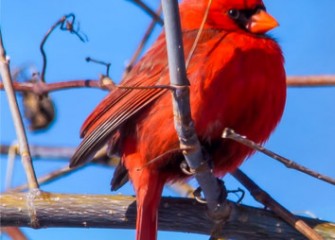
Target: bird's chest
x,y
246,93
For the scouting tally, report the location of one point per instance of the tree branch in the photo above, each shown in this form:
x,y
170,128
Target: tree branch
x,y
14,233
175,214
41,88
17,119
263,197
66,23
144,40
231,134
148,10
214,192
311,81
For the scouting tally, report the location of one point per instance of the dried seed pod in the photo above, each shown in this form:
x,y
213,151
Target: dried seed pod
x,y
39,110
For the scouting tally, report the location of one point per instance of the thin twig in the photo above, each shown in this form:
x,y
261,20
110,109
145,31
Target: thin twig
x,y
311,81
108,65
14,233
52,176
38,87
231,134
64,25
12,151
184,189
47,152
17,119
261,196
144,40
201,27
148,10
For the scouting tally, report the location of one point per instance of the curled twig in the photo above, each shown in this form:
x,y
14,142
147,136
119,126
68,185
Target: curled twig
x,y
238,190
66,23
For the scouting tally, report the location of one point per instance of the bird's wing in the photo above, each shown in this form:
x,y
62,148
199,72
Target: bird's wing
x,y
121,104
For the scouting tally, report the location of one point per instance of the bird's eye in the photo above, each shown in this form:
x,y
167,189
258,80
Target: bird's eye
x,y
234,13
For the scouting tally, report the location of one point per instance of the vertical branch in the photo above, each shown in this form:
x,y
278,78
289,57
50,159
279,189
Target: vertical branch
x,y
12,152
17,119
213,191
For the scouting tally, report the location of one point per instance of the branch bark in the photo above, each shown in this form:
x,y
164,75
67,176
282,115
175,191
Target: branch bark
x,y
311,81
175,214
214,192
231,134
17,119
263,197
40,87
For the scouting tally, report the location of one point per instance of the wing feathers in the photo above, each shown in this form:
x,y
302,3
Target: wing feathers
x,y
101,130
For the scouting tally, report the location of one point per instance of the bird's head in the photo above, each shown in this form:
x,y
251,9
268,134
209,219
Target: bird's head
x,y
230,15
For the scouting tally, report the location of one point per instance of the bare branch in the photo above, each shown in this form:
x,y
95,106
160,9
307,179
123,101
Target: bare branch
x,y
311,81
44,151
144,40
66,23
231,134
41,88
108,65
264,198
175,214
38,87
12,152
148,10
14,233
17,119
52,176
214,192
201,28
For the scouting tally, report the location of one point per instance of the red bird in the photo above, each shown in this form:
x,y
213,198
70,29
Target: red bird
x,y
237,80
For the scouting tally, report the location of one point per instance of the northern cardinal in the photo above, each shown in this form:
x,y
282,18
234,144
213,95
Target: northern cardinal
x,y
237,80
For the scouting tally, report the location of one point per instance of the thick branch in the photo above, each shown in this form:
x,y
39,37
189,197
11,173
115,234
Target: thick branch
x,y
175,214
213,191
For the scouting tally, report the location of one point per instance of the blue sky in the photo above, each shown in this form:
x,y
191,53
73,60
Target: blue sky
x,y
114,28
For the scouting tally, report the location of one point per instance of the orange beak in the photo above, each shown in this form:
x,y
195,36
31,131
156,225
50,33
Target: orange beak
x,y
261,22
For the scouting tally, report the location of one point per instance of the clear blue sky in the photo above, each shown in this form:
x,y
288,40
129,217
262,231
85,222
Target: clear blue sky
x,y
306,133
